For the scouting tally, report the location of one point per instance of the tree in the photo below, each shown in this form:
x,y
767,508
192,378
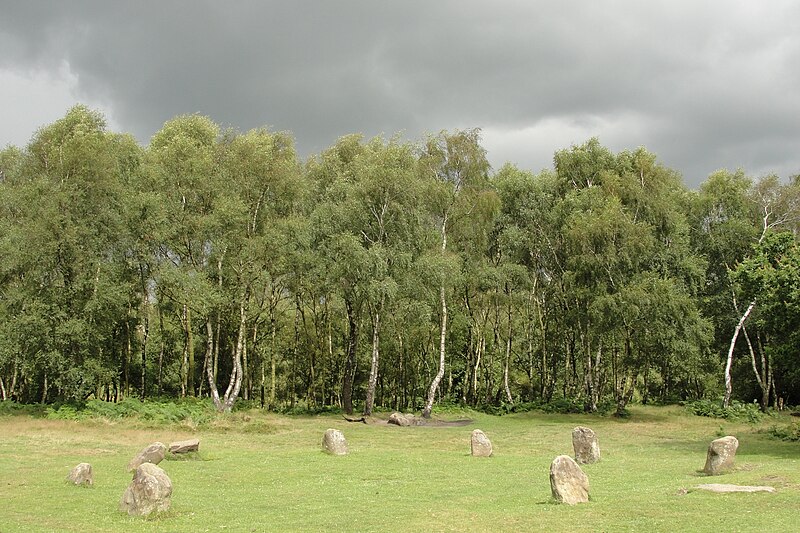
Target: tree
x,y
66,296
457,164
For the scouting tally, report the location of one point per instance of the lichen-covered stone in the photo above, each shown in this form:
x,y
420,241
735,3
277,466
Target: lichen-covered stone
x,y
480,445
584,442
568,483
721,453
81,475
334,443
149,491
184,446
154,454
400,419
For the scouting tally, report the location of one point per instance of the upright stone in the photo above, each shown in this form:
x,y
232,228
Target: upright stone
x,y
568,482
480,444
721,453
150,491
334,443
81,475
154,454
584,442
184,446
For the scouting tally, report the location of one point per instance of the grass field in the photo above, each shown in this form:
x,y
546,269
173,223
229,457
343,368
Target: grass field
x,y
258,472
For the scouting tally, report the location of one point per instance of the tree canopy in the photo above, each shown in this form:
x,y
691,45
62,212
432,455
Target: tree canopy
x,y
383,273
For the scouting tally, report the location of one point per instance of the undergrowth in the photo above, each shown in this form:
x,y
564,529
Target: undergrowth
x,y
746,412
790,433
561,406
191,411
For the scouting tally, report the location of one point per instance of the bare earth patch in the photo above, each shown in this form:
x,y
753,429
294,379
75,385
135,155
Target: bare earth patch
x,y
725,488
420,422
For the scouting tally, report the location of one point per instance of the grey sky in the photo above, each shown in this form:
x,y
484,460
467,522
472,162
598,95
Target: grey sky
x,y
704,85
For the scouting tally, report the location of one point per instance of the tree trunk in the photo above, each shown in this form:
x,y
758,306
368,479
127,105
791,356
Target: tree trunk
x,y
145,335
185,354
762,378
190,354
728,385
161,350
373,372
212,384
426,413
480,348
350,361
508,359
239,353
272,360
126,370
45,386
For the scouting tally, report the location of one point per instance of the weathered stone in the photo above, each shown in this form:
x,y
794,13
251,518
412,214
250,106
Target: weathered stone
x,y
584,442
150,491
400,419
154,454
81,475
184,446
568,483
334,442
480,444
724,487
721,454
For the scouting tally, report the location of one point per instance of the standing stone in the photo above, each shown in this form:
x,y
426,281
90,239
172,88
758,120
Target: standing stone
x,y
150,490
81,475
568,483
584,442
334,442
721,453
152,454
481,446
184,446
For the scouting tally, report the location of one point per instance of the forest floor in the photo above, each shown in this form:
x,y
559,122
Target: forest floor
x,y
265,472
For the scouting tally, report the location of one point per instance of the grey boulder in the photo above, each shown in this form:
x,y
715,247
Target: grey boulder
x,y
568,483
149,491
721,453
81,475
334,443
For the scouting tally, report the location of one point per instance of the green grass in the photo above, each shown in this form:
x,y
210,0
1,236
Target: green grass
x,y
259,472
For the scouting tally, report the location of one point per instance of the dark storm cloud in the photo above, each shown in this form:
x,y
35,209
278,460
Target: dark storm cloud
x,y
703,85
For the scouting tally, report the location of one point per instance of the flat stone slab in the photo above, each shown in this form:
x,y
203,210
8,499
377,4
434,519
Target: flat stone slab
x,y
726,487
184,446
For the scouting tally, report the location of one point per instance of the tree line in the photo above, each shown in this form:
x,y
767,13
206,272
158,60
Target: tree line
x,y
383,273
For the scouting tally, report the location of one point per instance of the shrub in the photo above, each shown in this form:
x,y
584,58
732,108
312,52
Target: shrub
x,y
170,412
789,433
749,412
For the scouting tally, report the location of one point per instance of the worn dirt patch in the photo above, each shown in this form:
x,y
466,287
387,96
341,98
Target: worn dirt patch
x,y
421,422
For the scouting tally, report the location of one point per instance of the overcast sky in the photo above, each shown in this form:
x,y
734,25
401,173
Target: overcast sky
x,y
703,84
